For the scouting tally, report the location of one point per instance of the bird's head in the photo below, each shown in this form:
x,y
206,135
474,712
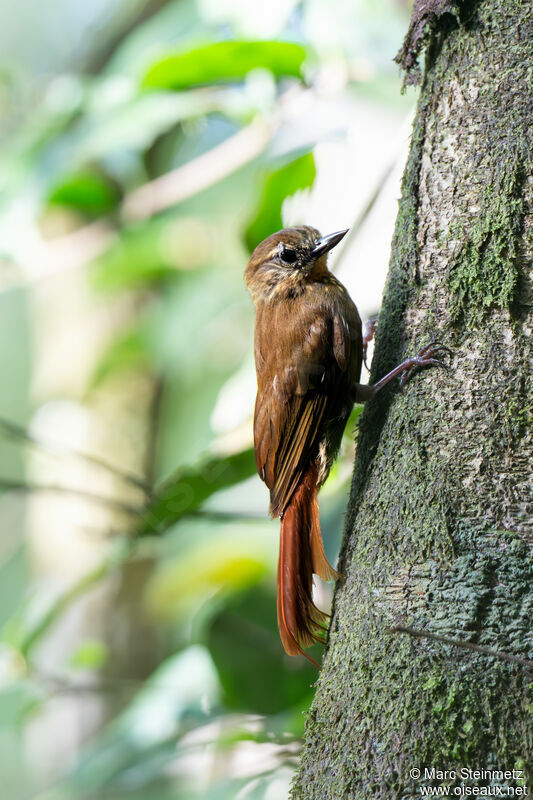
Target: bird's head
x,y
289,258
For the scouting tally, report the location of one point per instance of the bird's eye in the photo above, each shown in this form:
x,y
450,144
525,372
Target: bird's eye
x,y
288,255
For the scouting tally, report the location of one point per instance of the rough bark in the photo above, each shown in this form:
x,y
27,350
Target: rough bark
x,y
439,528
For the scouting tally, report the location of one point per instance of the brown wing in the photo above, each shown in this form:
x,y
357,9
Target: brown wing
x,y
299,446
302,372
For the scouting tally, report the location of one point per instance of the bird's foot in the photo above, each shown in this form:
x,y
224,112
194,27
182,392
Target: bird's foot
x,y
426,357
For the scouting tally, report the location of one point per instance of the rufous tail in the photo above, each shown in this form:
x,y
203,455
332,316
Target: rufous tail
x,y
301,553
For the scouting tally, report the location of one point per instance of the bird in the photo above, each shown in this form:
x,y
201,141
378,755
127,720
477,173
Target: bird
x,y
309,347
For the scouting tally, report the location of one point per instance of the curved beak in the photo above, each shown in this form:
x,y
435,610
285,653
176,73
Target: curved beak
x,y
326,243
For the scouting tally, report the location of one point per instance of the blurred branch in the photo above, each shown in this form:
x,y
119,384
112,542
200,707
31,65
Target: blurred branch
x,y
15,431
154,421
67,252
225,516
87,243
363,215
198,174
30,488
373,196
102,685
213,472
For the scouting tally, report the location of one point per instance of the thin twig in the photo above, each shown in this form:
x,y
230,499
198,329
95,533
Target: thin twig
x,y
103,684
91,241
362,216
152,435
70,251
18,432
208,513
30,488
198,174
476,648
373,197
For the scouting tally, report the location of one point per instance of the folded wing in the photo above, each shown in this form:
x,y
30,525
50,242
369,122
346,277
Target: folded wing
x,y
300,388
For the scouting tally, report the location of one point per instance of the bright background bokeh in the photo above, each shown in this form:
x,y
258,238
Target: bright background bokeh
x,y
147,146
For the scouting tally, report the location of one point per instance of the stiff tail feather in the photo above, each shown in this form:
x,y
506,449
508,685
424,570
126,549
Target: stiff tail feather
x,y
301,553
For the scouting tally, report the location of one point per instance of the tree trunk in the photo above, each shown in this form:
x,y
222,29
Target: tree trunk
x,y
439,529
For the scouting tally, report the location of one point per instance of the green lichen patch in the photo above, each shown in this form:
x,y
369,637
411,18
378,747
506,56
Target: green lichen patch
x,y
484,272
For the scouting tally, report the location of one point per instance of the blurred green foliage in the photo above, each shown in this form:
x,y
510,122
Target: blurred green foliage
x,y
132,93
85,192
185,492
278,184
225,61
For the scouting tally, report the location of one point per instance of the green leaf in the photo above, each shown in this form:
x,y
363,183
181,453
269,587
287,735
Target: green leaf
x,y
187,489
85,191
225,62
227,561
252,666
91,654
279,184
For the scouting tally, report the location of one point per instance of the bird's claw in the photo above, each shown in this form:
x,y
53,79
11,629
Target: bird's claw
x,y
426,358
432,349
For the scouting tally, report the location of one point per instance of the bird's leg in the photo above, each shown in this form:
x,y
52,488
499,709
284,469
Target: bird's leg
x,y
368,334
426,357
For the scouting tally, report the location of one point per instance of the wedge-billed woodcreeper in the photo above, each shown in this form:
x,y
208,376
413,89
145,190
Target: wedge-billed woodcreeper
x,y
309,349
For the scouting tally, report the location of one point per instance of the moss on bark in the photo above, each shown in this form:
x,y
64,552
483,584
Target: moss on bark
x,y
439,527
